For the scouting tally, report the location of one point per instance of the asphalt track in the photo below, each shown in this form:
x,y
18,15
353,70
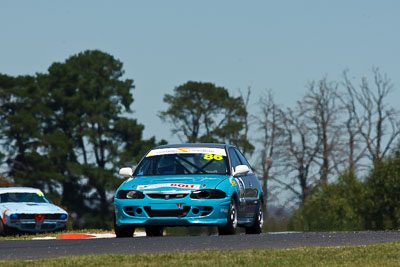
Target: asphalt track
x,y
35,249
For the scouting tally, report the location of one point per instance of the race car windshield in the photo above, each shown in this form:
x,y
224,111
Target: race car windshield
x,y
183,163
23,197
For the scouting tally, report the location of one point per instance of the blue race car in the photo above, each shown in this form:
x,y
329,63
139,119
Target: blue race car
x,y
25,209
189,184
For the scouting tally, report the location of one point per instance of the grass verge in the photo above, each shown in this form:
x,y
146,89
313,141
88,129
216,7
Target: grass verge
x,y
372,255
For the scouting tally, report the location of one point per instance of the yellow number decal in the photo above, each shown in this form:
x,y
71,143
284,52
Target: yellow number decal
x,y
211,156
217,157
208,156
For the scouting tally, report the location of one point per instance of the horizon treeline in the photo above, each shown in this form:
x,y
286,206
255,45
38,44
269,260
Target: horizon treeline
x,y
334,153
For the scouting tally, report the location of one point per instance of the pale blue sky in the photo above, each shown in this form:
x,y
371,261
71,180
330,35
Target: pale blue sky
x,y
278,45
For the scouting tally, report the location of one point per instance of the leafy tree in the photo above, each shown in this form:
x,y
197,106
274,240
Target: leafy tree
x,y
383,207
4,182
22,107
334,206
203,112
70,133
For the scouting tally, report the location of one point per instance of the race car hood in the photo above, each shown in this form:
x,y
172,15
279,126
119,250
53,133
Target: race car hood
x,y
181,182
30,208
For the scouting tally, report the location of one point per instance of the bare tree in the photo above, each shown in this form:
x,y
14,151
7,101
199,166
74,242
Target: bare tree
x,y
376,122
302,149
247,121
269,125
322,111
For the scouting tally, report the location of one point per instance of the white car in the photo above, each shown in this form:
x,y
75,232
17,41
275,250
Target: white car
x,y
26,209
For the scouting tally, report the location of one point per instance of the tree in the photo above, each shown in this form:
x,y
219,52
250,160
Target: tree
x,y
334,206
306,139
302,147
376,122
23,107
203,112
271,142
323,112
71,133
383,193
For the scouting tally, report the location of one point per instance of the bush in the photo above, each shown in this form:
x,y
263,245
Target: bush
x,y
336,206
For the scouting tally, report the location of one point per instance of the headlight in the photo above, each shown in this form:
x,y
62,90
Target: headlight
x,y
208,194
130,194
14,216
63,216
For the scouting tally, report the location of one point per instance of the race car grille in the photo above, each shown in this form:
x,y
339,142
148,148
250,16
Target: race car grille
x,y
48,226
28,226
166,196
167,213
52,216
26,216
55,216
45,226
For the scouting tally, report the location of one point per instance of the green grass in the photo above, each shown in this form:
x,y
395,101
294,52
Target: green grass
x,y
372,255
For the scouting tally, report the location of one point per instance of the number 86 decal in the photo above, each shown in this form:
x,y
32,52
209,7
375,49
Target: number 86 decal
x,y
211,156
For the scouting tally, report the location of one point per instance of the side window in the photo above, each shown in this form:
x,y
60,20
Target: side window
x,y
235,161
242,159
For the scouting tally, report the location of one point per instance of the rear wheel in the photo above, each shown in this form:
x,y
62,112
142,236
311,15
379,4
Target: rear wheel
x,y
123,231
231,226
154,230
257,227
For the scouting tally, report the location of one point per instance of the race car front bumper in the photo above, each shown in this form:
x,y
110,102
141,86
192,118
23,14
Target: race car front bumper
x,y
27,223
173,212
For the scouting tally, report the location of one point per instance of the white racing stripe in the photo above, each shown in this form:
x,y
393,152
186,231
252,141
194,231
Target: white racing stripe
x,y
176,185
183,150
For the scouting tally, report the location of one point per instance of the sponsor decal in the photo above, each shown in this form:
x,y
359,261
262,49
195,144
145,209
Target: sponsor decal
x,y
233,183
191,150
177,185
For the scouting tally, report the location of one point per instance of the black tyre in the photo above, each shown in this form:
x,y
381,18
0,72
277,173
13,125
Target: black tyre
x,y
231,226
2,228
257,227
154,230
123,231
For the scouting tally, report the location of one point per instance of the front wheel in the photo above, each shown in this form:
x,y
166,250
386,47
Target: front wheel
x,y
2,228
257,227
154,230
231,226
123,231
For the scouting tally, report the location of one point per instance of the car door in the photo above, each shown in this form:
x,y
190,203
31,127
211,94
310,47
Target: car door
x,y
235,161
252,186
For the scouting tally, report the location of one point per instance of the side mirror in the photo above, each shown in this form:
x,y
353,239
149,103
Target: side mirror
x,y
241,169
126,172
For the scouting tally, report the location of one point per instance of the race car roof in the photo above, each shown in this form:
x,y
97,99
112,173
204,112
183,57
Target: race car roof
x,y
212,145
4,190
